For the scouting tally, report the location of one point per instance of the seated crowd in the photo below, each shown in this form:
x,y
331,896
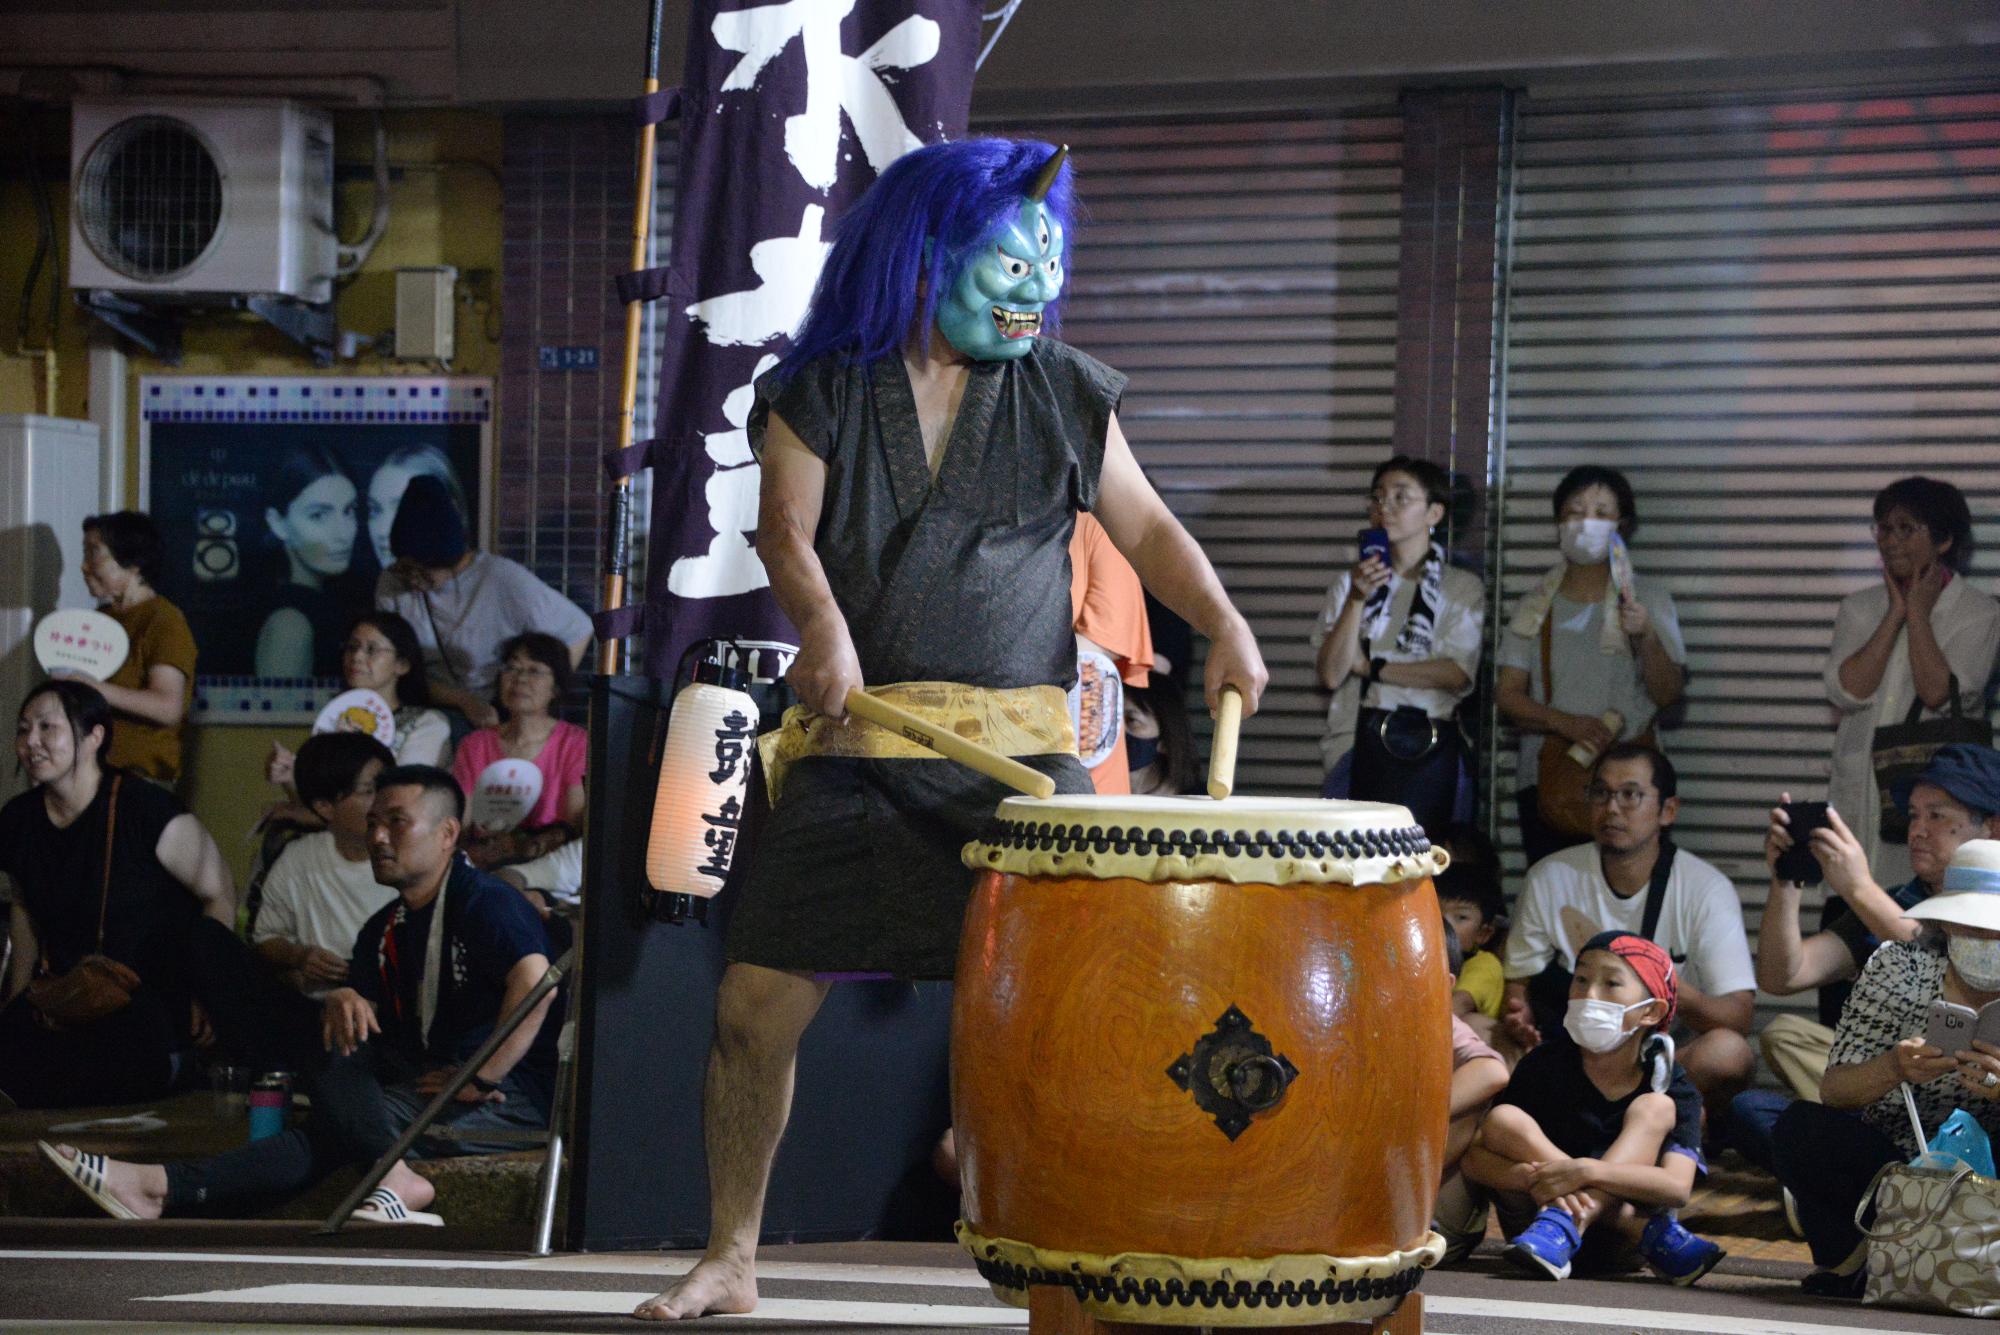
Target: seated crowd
x,y
126,973
1602,1036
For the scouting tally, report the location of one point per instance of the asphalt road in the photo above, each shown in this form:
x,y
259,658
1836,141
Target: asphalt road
x,y
101,1276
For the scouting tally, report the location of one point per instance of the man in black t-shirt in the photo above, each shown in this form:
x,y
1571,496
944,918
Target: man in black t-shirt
x,y
419,1004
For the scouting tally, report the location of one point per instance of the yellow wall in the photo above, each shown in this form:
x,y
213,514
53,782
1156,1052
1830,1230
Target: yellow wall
x,y
445,210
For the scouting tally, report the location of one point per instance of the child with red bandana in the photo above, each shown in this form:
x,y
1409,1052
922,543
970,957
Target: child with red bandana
x,y
1598,1134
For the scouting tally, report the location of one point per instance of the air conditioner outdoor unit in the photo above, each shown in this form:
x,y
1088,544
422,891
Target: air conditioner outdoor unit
x,y
190,199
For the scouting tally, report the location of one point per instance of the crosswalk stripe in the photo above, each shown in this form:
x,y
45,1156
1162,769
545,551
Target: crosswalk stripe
x,y
586,1301
595,1302
1631,1318
622,1263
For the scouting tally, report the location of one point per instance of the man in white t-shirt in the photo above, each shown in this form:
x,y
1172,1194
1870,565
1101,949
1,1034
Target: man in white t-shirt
x,y
322,888
463,603
1573,895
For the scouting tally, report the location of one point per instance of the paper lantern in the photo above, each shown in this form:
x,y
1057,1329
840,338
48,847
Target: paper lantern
x,y
704,780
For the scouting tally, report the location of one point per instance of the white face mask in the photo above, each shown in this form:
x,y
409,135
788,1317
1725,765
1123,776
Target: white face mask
x,y
1977,961
1598,1026
1586,542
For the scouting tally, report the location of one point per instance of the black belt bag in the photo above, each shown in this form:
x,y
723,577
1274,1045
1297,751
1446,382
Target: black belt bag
x,y
1406,733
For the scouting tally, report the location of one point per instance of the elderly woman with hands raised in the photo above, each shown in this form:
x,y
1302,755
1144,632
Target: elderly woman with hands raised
x,y
1920,643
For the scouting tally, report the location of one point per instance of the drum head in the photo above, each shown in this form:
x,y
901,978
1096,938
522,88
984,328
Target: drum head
x,y
1251,840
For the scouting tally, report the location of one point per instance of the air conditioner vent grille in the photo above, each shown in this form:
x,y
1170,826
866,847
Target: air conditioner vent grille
x,y
149,197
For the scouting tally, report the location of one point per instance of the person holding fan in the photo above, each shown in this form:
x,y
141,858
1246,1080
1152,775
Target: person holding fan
x,y
1589,658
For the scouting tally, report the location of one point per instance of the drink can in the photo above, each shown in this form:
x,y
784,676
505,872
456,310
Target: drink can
x,y
270,1103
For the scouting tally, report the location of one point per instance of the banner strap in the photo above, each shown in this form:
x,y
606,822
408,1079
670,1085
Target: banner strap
x,y
619,622
642,285
653,108
634,458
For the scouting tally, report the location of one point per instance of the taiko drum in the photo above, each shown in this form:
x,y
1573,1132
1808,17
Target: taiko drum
x,y
1201,1057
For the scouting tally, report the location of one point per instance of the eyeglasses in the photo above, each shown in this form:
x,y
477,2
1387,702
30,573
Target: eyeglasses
x,y
356,647
1629,796
1399,499
529,670
1902,532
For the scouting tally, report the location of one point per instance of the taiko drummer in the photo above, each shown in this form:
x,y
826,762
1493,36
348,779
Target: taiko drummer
x,y
926,447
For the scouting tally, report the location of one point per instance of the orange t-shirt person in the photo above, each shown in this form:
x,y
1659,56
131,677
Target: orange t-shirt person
x,y
1109,604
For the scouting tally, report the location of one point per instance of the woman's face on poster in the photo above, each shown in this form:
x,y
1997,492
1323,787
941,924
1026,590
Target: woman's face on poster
x,y
319,526
385,493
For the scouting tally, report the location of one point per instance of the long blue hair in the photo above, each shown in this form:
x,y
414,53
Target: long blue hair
x,y
956,195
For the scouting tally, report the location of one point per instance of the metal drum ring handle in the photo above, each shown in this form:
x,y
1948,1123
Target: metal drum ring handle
x,y
1258,1082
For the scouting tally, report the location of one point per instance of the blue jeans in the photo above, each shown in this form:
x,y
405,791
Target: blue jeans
x,y
1753,1118
355,1118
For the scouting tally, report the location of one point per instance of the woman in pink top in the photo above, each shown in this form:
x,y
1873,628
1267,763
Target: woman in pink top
x,y
534,675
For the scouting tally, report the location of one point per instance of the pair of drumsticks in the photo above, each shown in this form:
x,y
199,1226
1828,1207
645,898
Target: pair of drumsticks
x,y
987,761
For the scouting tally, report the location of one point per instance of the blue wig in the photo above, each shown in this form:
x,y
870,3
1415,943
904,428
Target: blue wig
x,y
866,304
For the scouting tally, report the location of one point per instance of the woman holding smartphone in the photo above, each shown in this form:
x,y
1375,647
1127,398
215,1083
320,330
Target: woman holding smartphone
x,y
1398,645
1828,1153
1903,642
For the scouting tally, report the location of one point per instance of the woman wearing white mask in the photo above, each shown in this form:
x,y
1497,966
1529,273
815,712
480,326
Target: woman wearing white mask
x,y
1828,1153
1899,645
1594,639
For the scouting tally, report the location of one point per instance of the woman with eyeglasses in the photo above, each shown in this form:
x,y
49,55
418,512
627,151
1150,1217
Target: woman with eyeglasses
x,y
379,653
1398,645
534,676
1918,644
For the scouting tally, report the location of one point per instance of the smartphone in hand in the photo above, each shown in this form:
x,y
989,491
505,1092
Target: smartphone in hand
x,y
1373,542
1797,863
1951,1026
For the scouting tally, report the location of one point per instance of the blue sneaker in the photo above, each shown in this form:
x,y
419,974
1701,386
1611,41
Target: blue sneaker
x,y
1673,1253
1547,1245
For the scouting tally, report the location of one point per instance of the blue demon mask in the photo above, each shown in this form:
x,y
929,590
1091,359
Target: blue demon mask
x,y
991,309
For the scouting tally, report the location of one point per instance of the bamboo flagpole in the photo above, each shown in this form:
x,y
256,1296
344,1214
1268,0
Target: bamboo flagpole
x,y
618,535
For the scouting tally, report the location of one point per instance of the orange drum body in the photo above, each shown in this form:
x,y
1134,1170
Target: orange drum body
x,y
1201,1057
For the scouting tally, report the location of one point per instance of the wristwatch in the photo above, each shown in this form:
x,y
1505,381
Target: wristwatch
x,y
1375,666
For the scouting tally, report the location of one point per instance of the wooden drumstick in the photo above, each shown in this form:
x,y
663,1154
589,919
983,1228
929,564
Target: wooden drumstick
x,y
950,745
1222,750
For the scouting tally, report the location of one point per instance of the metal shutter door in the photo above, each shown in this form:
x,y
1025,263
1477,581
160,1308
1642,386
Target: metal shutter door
x,y
1243,273
1762,309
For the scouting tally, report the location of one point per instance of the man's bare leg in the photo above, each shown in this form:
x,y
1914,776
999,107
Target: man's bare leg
x,y
760,1015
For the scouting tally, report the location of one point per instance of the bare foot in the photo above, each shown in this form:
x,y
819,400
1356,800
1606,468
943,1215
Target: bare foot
x,y
715,1285
139,1187
416,1190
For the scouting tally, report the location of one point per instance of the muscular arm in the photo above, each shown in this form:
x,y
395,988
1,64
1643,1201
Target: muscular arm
x,y
1172,565
190,856
162,700
788,507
